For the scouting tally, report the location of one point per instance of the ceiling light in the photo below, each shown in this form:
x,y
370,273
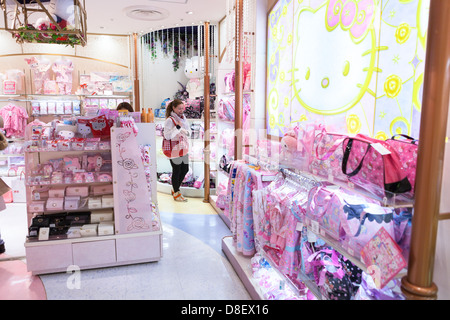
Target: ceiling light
x,y
146,13
189,12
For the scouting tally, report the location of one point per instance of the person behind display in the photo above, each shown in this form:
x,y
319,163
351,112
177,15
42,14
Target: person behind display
x,y
176,128
125,106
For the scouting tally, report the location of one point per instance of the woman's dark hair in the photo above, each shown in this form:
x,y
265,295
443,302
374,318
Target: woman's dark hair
x,y
125,106
173,104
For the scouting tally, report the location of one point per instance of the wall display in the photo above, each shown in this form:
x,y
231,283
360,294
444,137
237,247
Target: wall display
x,y
378,52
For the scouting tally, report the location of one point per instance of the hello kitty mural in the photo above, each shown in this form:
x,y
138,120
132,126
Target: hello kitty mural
x,y
354,65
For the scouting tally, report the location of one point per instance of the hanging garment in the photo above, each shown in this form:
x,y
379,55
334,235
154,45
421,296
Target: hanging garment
x,y
14,120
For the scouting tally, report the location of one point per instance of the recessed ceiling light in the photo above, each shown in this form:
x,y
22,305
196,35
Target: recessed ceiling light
x,y
146,13
189,12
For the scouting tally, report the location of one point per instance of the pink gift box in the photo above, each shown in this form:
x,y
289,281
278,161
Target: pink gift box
x,y
56,193
101,190
36,206
77,191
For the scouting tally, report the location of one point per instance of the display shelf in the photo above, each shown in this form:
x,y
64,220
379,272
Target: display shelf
x,y
137,231
242,266
225,219
310,284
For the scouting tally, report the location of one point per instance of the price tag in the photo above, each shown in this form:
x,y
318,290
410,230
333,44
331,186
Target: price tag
x,y
380,148
315,226
311,236
299,226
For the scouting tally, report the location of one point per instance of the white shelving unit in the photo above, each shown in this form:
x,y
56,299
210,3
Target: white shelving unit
x,y
127,245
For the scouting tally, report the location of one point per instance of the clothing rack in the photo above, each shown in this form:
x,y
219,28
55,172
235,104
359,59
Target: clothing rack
x,y
304,179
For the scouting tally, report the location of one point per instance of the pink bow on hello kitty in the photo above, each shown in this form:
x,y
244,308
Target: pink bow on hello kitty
x,y
351,14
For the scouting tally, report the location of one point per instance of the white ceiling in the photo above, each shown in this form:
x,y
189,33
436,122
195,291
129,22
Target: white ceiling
x,y
110,17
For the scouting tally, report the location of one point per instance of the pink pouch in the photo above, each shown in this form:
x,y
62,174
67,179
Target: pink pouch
x,y
103,189
82,191
325,207
327,155
36,206
71,203
56,193
55,204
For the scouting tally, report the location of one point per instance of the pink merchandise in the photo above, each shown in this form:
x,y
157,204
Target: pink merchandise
x,y
14,120
72,164
41,72
374,165
383,258
407,151
327,155
63,70
94,163
16,76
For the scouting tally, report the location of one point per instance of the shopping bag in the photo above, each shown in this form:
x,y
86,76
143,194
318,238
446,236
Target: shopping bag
x,y
407,149
374,165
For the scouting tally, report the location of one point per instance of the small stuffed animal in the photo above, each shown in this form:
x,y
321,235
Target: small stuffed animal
x,y
193,70
289,144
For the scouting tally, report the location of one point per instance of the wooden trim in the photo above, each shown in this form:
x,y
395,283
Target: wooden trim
x,y
418,283
206,112
239,96
137,97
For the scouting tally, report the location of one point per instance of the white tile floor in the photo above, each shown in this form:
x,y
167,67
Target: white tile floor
x,y
189,269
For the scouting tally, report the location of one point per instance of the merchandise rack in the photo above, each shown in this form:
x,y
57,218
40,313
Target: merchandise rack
x,y
125,246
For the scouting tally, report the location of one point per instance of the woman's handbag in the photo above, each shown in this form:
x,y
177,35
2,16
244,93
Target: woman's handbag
x,y
175,149
374,165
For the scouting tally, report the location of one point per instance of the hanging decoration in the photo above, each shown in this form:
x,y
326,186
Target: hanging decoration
x,y
61,22
177,42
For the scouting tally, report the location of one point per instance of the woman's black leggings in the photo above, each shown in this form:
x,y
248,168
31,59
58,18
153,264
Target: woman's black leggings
x,y
180,167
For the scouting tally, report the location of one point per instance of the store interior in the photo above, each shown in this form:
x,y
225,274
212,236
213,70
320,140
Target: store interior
x,y
318,150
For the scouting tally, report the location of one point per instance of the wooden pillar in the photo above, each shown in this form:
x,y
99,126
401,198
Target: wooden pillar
x,y
206,112
418,283
136,102
238,83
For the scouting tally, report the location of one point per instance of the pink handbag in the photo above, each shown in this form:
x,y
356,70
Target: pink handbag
x,y
374,165
328,155
407,151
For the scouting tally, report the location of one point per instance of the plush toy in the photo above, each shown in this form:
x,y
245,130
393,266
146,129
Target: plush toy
x,y
63,70
193,70
289,145
41,72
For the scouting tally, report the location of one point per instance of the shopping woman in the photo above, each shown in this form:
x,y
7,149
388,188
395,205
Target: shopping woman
x,y
177,130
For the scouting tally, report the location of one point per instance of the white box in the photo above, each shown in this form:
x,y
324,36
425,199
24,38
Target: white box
x,y
102,215
89,230
107,201
106,228
95,203
74,232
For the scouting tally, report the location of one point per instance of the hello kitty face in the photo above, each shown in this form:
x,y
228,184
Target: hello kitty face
x,y
99,125
193,68
83,129
334,58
